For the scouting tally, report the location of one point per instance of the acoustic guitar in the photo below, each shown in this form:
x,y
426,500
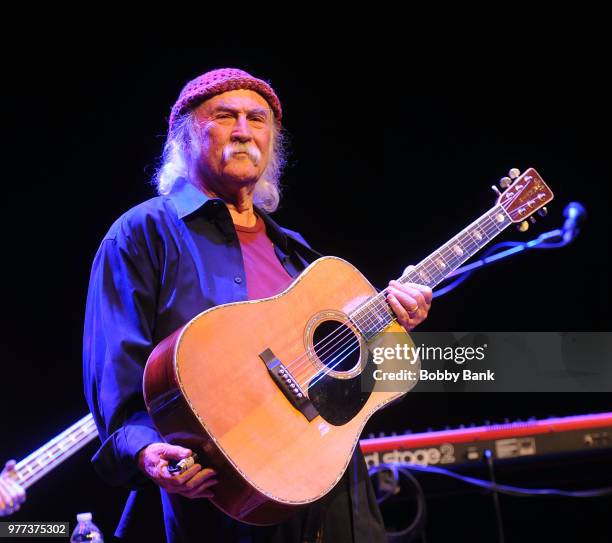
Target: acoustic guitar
x,y
274,393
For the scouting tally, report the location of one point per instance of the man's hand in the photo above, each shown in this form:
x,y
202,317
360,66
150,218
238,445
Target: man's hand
x,y
12,495
193,483
410,302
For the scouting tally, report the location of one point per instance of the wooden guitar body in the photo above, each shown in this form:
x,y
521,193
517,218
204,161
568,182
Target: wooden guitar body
x,y
208,388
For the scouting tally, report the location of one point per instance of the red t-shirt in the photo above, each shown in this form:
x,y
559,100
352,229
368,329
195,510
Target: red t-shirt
x,y
265,275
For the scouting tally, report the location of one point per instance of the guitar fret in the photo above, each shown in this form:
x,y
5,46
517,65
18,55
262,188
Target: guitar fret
x,y
375,314
34,466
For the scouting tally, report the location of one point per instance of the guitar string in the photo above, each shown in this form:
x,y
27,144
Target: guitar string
x,y
313,380
378,303
376,300
33,466
56,451
85,421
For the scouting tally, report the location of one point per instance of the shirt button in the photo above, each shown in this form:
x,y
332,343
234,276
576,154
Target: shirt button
x,y
238,279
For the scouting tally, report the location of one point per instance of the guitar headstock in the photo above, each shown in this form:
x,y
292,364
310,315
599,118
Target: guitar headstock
x,y
527,194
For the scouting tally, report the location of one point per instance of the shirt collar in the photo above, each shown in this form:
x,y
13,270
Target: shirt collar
x,y
186,197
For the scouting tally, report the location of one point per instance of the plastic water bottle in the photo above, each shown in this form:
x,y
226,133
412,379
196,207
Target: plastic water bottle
x,y
86,530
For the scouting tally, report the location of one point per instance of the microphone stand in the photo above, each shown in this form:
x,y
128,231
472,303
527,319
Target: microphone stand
x,y
555,239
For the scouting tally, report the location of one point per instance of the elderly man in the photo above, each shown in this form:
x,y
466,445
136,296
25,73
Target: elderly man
x,y
206,240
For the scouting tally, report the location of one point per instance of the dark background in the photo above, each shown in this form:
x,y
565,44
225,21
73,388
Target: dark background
x,y
391,155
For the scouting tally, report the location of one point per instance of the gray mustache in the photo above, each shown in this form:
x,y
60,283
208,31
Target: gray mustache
x,y
231,149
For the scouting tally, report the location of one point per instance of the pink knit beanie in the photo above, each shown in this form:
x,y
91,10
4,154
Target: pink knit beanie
x,y
218,81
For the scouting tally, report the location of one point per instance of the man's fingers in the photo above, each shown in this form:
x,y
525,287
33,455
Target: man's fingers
x,y
153,459
204,487
193,483
174,452
6,502
16,491
423,289
410,302
180,479
421,293
400,312
427,292
204,490
202,477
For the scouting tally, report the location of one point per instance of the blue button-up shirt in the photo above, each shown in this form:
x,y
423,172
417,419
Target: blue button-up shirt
x,y
160,264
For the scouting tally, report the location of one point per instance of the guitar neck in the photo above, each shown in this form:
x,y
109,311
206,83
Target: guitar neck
x,y
438,265
374,315
52,454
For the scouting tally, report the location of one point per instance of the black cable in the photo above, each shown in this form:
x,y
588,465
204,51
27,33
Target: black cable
x,y
417,527
405,467
498,516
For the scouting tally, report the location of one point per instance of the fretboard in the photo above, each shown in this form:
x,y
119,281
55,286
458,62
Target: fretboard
x,y
374,315
40,462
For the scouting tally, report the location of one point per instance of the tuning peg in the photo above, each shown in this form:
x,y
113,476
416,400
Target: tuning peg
x,y
523,227
543,212
532,219
514,173
496,191
505,182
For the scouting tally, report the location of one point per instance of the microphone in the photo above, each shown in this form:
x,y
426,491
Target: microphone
x,y
575,215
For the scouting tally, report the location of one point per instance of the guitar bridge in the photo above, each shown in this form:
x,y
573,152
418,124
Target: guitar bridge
x,y
288,385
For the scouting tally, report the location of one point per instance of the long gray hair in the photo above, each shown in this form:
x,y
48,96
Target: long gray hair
x,y
184,141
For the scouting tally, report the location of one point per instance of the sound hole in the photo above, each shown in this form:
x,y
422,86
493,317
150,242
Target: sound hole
x,y
337,397
336,346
